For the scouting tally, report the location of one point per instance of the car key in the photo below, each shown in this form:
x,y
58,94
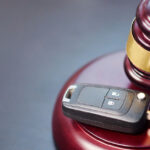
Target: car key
x,y
112,108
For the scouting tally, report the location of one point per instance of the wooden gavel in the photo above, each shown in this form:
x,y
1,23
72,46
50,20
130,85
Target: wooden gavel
x,y
137,62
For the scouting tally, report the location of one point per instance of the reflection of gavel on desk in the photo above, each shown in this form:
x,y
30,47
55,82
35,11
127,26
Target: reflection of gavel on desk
x,y
108,70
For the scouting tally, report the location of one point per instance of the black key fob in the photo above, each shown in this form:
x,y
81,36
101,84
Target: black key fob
x,y
106,107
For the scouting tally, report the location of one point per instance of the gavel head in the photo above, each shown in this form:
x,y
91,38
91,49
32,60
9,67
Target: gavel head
x,y
137,61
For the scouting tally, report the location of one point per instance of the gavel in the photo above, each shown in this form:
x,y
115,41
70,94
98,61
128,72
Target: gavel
x,y
137,62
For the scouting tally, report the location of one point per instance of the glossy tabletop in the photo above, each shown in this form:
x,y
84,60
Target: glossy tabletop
x,y
42,43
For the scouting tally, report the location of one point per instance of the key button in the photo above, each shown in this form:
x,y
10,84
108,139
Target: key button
x,y
112,104
116,94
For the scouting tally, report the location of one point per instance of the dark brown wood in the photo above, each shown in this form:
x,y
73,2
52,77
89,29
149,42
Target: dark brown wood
x,y
137,76
143,16
69,134
141,25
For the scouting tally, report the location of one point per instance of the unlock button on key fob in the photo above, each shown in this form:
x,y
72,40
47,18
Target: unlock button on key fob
x,y
112,104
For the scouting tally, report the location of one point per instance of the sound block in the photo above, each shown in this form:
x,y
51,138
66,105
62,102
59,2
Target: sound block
x,y
72,135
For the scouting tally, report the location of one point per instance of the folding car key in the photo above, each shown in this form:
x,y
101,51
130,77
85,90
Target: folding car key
x,y
112,108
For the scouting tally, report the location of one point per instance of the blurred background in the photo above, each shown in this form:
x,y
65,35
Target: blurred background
x,y
42,43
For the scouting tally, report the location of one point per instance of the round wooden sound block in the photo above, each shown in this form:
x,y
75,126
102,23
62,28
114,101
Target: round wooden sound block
x,y
72,135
